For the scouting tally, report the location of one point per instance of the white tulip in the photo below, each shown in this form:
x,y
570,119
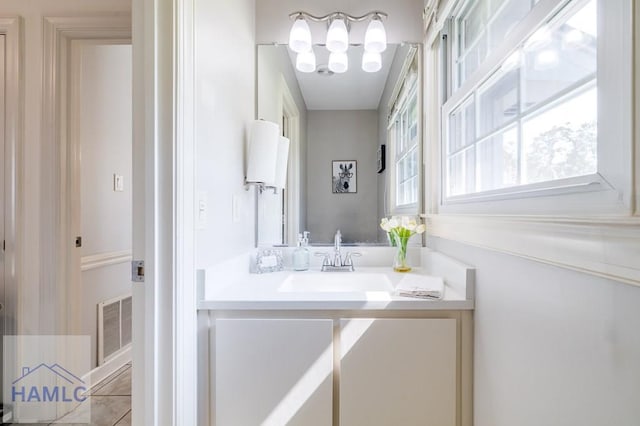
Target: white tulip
x,y
421,228
393,223
411,225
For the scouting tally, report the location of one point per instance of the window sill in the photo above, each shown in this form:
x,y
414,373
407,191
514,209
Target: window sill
x,y
603,246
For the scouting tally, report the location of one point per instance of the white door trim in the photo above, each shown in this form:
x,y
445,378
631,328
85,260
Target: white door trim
x,y
10,27
292,211
163,232
185,315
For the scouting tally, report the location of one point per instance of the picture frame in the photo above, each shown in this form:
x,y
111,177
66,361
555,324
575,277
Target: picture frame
x,y
381,158
344,176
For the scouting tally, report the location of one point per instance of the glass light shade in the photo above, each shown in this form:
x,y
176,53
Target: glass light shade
x,y
281,164
306,61
338,62
300,36
375,39
264,137
338,36
371,62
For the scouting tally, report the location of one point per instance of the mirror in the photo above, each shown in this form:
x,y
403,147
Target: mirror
x,y
337,123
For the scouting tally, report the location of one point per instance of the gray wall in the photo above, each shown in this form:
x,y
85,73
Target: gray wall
x,y
553,347
342,135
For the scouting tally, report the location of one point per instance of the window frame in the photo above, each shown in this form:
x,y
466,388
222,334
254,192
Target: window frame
x,y
574,230
609,191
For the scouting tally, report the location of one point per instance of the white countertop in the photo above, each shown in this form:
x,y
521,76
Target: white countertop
x,y
273,291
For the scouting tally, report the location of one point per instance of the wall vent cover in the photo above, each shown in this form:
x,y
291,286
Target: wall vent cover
x,y
114,327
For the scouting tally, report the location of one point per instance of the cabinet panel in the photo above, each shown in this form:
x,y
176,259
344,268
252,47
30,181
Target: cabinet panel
x,y
398,372
273,372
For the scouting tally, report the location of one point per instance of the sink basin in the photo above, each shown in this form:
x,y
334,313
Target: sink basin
x,y
335,282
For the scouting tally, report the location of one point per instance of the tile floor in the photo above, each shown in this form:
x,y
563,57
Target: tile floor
x,y
109,400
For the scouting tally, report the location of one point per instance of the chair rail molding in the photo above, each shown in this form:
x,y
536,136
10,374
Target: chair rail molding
x,y
100,260
606,247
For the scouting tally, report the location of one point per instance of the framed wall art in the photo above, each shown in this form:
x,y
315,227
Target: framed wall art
x,y
344,176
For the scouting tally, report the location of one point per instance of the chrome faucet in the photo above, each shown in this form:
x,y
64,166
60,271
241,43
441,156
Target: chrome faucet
x,y
335,262
337,244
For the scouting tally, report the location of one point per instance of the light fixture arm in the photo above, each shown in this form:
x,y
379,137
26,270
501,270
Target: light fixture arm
x,y
376,14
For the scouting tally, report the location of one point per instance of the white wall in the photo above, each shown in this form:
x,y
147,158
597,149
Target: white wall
x,y
342,135
553,347
273,66
104,125
225,106
30,307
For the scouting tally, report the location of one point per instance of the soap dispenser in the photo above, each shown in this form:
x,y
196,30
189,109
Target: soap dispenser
x,y
301,254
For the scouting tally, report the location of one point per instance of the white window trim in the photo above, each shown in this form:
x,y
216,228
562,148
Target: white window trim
x,y
595,232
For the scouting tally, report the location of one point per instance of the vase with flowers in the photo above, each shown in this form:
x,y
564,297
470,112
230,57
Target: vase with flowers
x,y
400,230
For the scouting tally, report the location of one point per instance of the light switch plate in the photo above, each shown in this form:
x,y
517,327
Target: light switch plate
x,y
118,182
235,208
201,209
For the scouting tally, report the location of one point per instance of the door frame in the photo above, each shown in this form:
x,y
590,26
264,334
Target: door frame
x,y
292,200
11,28
59,282
165,306
164,377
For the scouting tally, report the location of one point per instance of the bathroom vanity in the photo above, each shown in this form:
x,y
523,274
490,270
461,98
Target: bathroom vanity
x,y
328,348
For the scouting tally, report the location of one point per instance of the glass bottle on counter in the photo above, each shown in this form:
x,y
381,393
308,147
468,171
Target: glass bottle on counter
x,y
301,253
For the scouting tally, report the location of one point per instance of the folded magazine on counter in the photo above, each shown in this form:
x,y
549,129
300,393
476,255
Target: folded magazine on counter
x,y
421,286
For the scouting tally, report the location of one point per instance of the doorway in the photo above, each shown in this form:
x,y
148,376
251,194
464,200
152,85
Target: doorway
x,y
88,178
100,175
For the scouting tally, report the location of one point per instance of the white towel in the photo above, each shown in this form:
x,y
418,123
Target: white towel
x,y
421,286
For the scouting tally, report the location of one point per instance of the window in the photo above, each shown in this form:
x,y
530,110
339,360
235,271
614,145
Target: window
x,y
531,122
535,146
481,27
404,135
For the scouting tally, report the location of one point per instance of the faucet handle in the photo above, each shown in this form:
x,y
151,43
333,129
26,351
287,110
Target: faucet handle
x,y
348,258
325,259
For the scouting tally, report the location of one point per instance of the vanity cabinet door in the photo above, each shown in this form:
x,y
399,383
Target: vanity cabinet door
x,y
398,372
273,372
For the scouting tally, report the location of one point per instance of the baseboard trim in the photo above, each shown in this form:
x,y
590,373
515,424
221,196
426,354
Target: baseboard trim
x,y
103,371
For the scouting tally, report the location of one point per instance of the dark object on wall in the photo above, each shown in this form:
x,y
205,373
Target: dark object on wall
x,y
381,158
344,176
